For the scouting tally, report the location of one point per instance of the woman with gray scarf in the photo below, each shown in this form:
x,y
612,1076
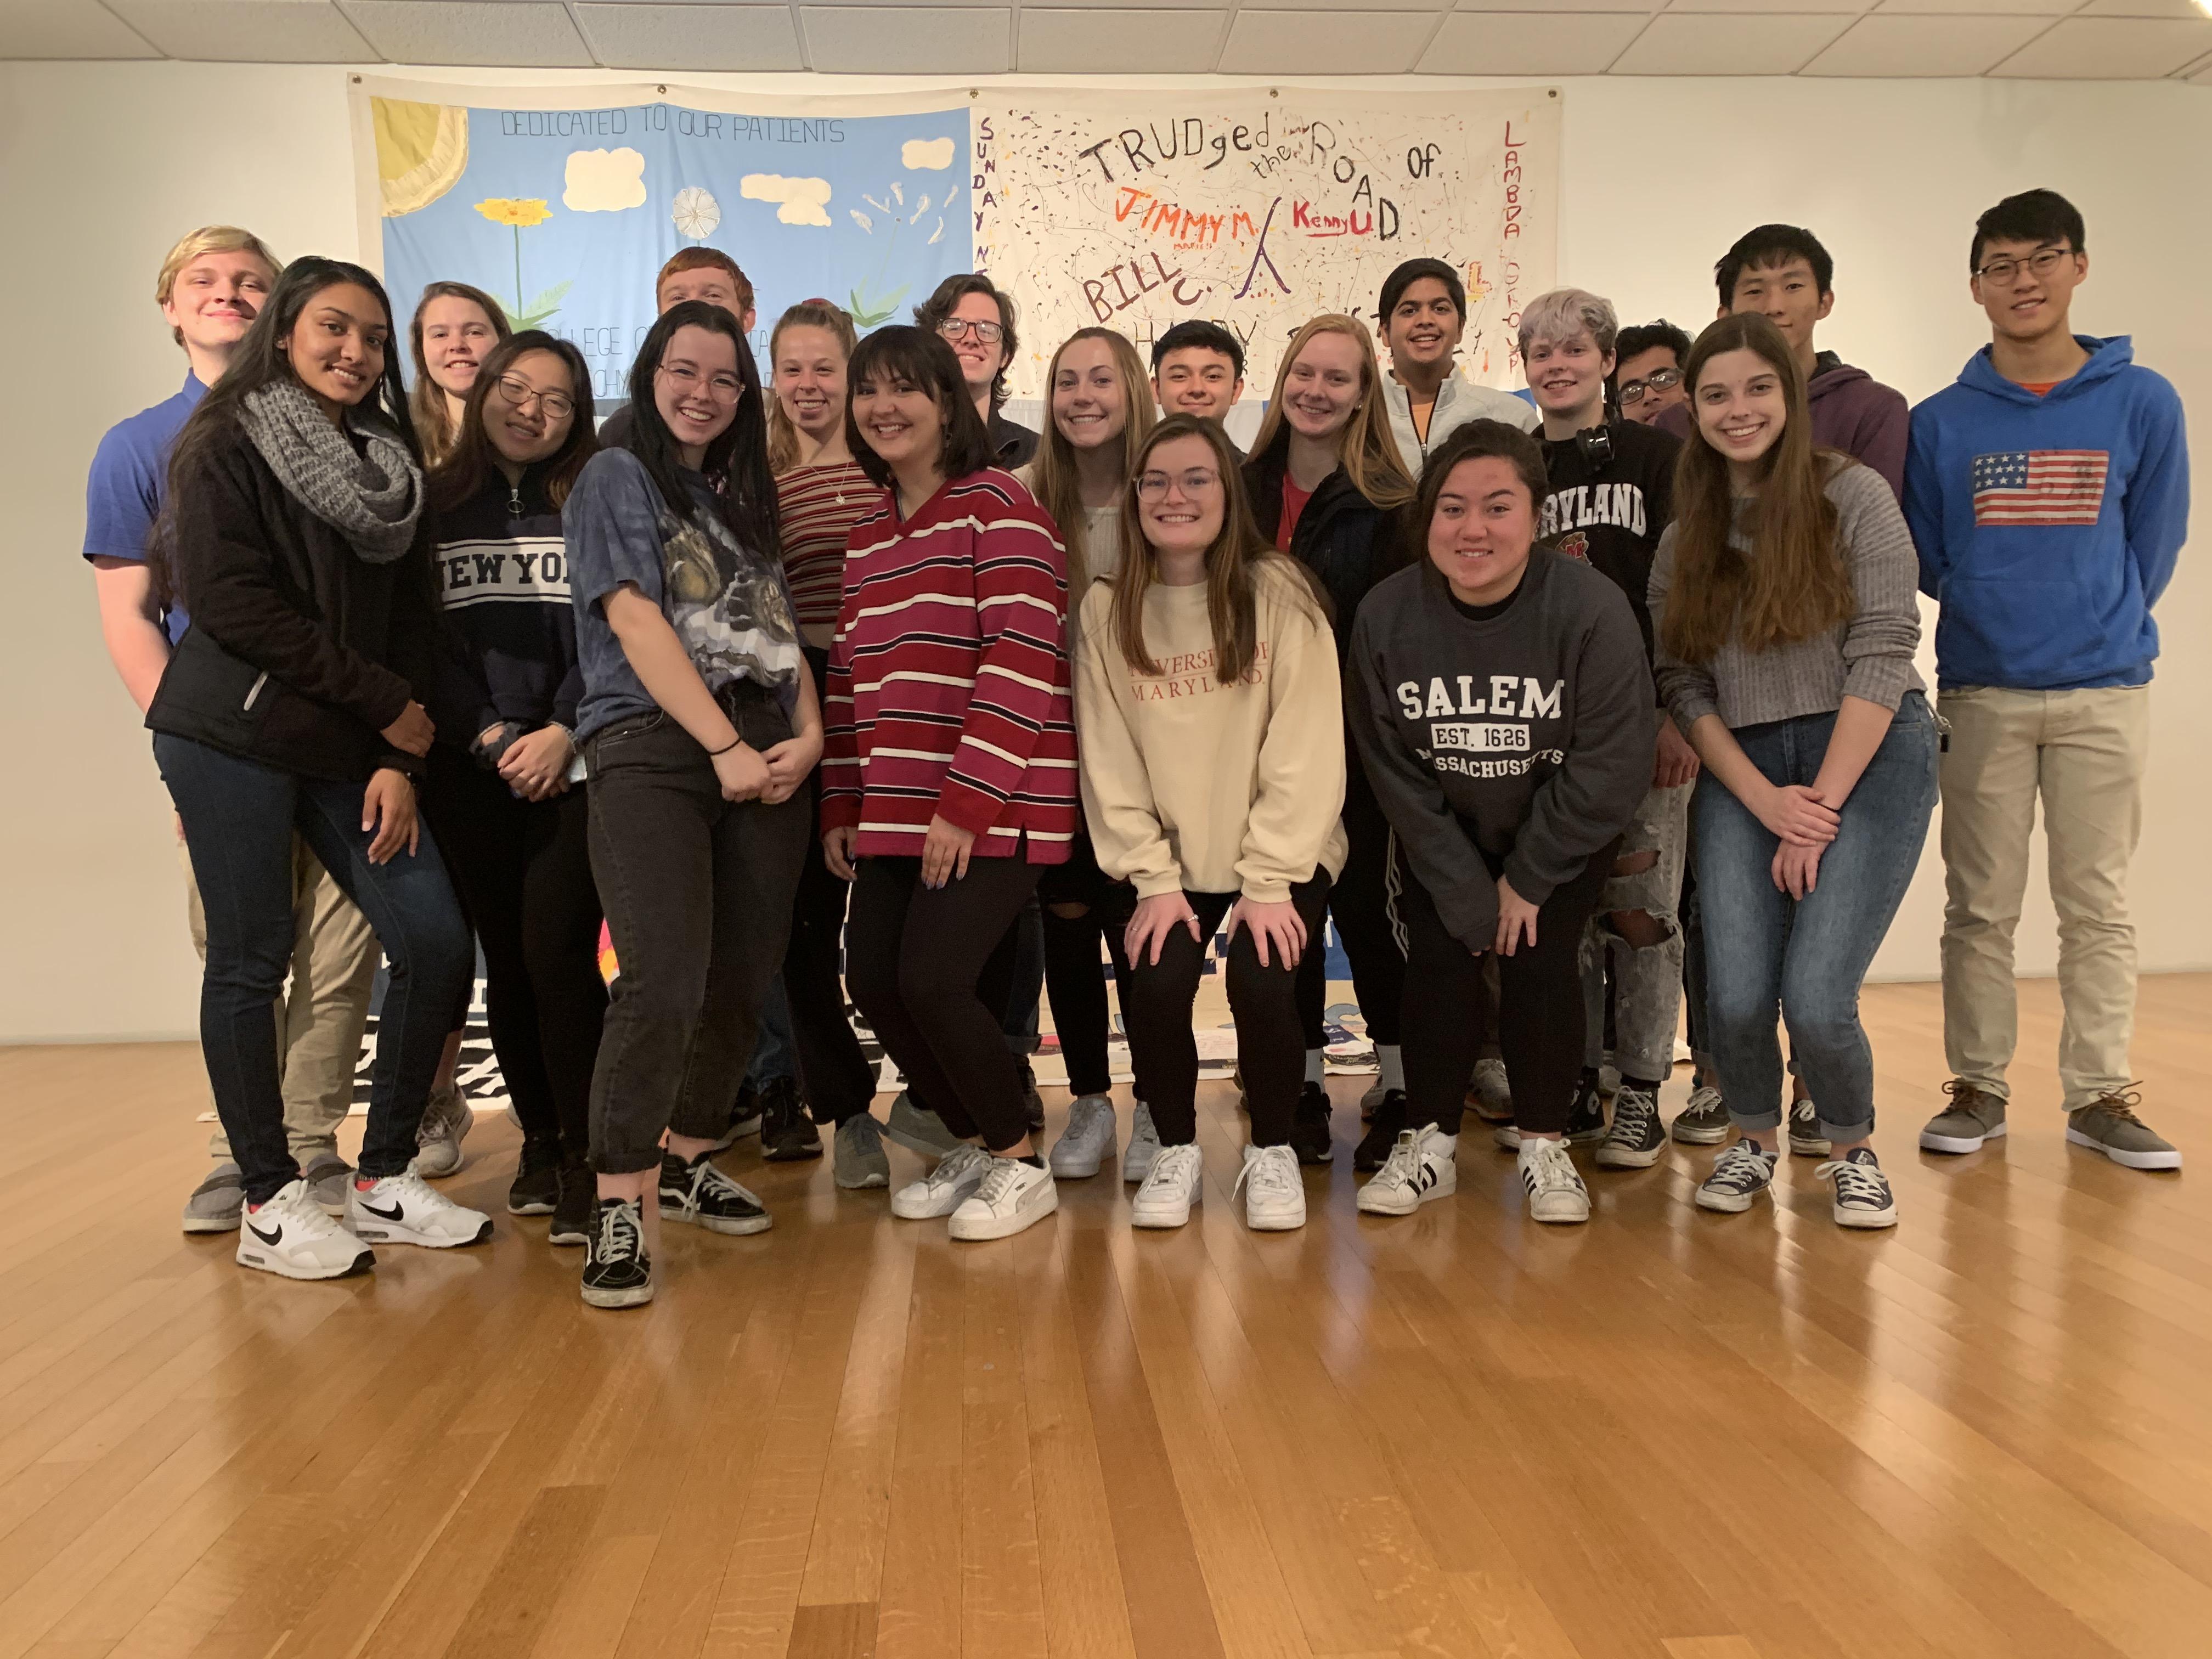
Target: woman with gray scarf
x,y
290,706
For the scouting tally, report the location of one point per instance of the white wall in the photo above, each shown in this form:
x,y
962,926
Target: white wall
x,y
102,165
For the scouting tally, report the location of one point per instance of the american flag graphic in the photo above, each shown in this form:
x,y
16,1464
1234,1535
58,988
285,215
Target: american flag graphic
x,y
2040,487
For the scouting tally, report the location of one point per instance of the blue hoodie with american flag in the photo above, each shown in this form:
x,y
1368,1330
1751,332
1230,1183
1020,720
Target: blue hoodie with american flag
x,y
2049,524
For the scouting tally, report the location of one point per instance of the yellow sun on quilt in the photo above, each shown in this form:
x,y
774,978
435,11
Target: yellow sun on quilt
x,y
515,210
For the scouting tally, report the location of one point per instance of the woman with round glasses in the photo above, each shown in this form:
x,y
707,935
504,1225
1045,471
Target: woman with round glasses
x,y
504,793
977,319
1209,713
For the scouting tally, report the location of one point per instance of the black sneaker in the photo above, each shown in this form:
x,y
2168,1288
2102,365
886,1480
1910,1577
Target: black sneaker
x,y
1586,1118
618,1272
537,1186
578,1204
787,1134
1638,1134
698,1194
1032,1102
1374,1149
1309,1126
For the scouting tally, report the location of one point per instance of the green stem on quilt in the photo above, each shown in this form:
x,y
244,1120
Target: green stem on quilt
x,y
518,269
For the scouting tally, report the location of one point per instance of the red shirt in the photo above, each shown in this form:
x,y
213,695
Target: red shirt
x,y
1294,503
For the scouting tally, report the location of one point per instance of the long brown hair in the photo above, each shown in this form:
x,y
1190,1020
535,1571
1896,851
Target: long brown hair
x,y
1236,564
783,434
471,459
1057,486
1792,583
433,416
1365,446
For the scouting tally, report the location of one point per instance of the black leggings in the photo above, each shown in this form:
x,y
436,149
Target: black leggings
x,y
1072,973
524,871
1539,1006
1156,1002
1360,902
926,968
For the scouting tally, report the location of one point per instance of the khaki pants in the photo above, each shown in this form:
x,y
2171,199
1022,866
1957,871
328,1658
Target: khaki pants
x,y
326,1007
2084,753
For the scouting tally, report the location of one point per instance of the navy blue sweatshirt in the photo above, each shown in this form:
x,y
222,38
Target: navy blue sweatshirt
x,y
500,572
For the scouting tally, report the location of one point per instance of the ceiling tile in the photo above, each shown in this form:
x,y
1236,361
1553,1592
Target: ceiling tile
x,y
1119,42
1357,5
2010,8
897,39
1574,8
1318,43
2111,49
2141,8
518,32
66,29
1769,6
248,31
1529,43
1675,44
1926,46
680,37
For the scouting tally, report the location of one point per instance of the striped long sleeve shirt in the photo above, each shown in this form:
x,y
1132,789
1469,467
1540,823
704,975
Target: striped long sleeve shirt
x,y
948,691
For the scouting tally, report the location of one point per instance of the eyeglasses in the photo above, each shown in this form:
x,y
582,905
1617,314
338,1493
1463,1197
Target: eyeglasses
x,y
556,405
1659,379
954,328
2041,262
722,388
1153,486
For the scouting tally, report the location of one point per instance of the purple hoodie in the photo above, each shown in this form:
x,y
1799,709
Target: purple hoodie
x,y
1851,411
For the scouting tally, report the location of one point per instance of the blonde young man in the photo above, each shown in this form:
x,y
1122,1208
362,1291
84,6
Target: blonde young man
x,y
210,290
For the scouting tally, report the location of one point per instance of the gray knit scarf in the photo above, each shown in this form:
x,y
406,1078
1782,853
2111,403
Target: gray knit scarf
x,y
372,500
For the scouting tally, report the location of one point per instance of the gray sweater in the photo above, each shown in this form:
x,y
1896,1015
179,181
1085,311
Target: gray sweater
x,y
1518,743
1868,656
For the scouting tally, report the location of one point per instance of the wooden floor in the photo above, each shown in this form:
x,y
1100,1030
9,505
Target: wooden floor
x,y
1668,1433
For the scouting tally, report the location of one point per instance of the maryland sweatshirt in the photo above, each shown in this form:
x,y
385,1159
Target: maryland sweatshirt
x,y
1610,511
1522,740
1192,785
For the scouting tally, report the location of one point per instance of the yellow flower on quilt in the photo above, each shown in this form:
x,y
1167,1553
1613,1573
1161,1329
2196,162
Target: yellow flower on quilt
x,y
522,211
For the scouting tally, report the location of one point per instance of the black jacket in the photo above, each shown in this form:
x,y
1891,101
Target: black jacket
x,y
501,579
1345,539
300,651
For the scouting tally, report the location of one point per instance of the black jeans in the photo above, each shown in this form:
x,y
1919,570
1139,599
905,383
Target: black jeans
x,y
916,958
524,869
1360,902
239,817
1073,976
1155,1001
698,892
1539,1006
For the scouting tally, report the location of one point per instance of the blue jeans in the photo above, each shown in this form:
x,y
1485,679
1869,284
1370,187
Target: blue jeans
x,y
239,818
1810,955
772,1049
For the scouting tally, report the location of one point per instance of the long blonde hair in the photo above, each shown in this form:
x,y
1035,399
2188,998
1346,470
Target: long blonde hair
x,y
1366,447
782,436
1056,486
436,425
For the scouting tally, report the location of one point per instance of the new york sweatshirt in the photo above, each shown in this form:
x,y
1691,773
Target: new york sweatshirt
x,y
2047,527
1192,785
1522,740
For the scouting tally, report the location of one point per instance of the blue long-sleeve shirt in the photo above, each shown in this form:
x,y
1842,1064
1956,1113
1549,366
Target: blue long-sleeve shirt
x,y
2047,526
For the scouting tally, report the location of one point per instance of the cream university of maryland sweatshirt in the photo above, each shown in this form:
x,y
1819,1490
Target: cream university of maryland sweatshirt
x,y
1189,784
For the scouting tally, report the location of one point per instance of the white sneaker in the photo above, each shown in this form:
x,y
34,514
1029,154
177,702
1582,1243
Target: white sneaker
x,y
1370,1102
446,1121
1276,1202
1420,1167
1144,1144
944,1189
1012,1197
1506,1137
1493,1087
405,1209
1554,1186
1088,1140
290,1235
1177,1179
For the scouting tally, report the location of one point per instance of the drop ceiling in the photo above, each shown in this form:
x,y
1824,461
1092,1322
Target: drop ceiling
x,y
2055,40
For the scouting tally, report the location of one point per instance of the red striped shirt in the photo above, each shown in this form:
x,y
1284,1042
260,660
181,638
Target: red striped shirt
x,y
816,508
948,690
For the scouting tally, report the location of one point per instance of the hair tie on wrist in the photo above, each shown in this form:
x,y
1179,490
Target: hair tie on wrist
x,y
716,754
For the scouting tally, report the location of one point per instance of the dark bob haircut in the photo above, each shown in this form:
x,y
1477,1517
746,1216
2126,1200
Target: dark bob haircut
x,y
1476,441
921,358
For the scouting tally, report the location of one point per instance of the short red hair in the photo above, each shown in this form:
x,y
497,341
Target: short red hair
x,y
699,259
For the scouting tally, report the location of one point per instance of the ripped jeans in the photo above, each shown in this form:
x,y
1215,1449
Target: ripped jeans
x,y
1647,981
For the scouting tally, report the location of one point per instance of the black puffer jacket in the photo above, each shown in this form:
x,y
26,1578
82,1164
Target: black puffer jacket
x,y
1345,539
300,651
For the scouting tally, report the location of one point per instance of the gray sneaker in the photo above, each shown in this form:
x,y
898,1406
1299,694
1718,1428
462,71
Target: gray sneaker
x,y
326,1175
2110,1126
919,1129
217,1202
446,1120
1974,1115
859,1156
1806,1139
1704,1120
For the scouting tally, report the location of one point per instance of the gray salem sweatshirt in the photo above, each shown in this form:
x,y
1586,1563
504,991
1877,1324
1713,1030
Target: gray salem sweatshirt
x,y
1523,740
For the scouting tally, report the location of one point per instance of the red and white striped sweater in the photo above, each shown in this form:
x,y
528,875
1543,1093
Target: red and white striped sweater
x,y
948,690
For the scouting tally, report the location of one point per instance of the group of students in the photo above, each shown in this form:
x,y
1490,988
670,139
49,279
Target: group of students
x,y
1555,706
